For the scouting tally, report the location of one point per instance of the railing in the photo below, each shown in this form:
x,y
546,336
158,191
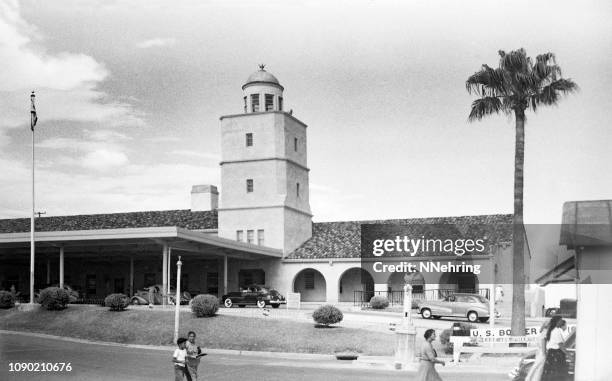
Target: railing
x,y
396,298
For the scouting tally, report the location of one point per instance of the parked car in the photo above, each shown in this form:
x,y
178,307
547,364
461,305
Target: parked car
x,y
258,295
142,296
567,309
471,306
520,372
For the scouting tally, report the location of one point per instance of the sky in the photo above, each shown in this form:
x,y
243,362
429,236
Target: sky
x,y
129,95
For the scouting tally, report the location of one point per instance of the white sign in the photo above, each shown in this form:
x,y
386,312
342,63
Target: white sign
x,y
507,339
502,332
294,300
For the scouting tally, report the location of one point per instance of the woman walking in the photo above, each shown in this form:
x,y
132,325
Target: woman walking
x,y
429,358
555,366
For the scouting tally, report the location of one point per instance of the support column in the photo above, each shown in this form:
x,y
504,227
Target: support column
x,y
224,274
48,271
61,267
169,269
131,275
165,275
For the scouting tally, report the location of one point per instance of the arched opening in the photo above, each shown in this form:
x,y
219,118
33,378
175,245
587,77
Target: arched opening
x,y
354,280
311,284
395,285
458,282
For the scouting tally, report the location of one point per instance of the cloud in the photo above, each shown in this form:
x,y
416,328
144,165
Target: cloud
x,y
66,83
200,155
156,42
103,160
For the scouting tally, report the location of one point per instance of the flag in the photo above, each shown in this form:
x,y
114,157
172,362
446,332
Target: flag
x,y
33,116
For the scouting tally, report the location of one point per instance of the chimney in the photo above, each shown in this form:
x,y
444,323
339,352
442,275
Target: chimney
x,y
204,197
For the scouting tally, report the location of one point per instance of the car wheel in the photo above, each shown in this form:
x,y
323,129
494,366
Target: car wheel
x,y
135,301
426,313
261,303
276,305
472,316
484,320
228,303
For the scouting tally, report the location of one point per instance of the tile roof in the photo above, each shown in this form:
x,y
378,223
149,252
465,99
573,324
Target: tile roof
x,y
343,239
182,218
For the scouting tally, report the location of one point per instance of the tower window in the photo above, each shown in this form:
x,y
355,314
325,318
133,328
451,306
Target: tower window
x,y
245,104
260,237
240,235
280,103
295,144
297,189
269,102
250,236
249,139
255,102
249,185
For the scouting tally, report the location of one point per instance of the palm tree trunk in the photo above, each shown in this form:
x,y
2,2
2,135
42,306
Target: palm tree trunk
x,y
518,231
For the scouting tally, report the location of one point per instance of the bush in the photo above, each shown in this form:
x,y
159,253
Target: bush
x,y
54,298
117,302
327,315
205,305
7,299
379,302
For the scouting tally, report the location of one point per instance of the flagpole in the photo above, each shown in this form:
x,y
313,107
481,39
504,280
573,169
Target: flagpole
x,y
33,118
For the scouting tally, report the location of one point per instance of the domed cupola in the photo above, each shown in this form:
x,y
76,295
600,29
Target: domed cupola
x,y
262,92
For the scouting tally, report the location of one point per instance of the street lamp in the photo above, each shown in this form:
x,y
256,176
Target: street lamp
x,y
177,301
406,334
33,120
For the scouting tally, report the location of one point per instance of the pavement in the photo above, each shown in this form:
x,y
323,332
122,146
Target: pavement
x,y
111,361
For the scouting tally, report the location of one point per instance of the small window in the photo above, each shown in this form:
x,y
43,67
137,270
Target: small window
x,y
295,144
255,102
309,281
297,189
249,184
260,237
250,236
245,104
269,102
280,103
240,235
249,139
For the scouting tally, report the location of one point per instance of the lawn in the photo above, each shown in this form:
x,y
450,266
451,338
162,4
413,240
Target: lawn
x,y
156,327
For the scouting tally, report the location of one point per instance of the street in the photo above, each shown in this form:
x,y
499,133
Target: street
x,y
100,362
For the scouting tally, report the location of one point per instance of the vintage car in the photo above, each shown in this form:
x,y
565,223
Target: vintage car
x,y
155,293
520,372
471,306
567,309
260,296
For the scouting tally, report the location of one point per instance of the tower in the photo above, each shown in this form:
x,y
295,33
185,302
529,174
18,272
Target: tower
x,y
264,173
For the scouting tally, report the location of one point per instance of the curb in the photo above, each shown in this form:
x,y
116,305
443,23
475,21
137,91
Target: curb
x,y
283,355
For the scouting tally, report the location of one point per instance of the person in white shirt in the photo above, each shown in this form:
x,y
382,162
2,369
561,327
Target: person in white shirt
x,y
178,358
555,366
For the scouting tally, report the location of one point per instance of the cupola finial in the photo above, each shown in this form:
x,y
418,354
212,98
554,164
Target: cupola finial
x,y
262,66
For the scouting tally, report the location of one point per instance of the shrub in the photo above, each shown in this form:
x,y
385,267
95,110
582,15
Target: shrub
x,y
205,305
54,298
327,315
7,299
117,302
379,302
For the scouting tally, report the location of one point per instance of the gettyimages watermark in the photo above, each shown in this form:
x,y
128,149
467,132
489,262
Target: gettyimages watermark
x,y
468,256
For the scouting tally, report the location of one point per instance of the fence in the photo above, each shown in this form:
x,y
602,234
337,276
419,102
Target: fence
x,y
362,298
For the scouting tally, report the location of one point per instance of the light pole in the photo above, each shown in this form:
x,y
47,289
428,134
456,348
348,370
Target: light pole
x,y
33,120
406,334
177,301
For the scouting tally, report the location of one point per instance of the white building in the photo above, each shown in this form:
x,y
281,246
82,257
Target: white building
x,y
260,232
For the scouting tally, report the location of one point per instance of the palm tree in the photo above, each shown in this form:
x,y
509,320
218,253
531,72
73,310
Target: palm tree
x,y
517,84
